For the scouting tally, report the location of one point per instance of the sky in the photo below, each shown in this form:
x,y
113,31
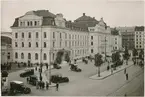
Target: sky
x,y
114,12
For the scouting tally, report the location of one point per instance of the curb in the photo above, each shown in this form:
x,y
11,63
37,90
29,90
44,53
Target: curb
x,y
111,74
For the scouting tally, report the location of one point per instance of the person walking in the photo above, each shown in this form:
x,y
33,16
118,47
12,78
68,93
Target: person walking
x,y
57,85
125,71
126,76
47,85
37,87
27,79
36,68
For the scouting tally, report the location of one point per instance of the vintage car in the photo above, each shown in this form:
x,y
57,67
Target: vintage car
x,y
56,66
33,79
18,87
75,68
27,72
57,78
85,61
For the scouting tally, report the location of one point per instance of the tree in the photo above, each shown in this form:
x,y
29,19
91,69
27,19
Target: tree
x,y
59,55
134,53
67,56
126,55
141,54
116,59
98,62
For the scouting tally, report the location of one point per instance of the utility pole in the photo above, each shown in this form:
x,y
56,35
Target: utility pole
x,y
50,67
105,48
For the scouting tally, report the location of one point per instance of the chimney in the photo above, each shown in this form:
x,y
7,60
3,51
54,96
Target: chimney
x,y
83,14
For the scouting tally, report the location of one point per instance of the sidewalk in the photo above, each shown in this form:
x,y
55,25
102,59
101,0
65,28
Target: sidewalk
x,y
106,74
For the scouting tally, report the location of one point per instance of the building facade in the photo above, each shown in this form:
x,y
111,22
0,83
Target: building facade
x,y
139,37
39,35
6,47
128,36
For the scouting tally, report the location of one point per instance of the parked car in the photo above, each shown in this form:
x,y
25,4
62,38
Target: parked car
x,y
33,79
75,68
56,66
27,72
59,79
18,87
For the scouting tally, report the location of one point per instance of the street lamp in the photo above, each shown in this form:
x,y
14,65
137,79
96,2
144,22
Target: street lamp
x,y
50,67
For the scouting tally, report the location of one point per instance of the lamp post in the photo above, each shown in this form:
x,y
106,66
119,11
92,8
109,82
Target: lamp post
x,y
50,67
105,48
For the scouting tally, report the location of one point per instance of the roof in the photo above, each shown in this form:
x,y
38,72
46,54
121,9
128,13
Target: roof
x,y
86,21
139,28
44,13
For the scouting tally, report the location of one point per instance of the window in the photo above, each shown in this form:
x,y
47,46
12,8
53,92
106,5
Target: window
x,y
140,46
31,23
65,36
29,44
44,34
36,44
140,42
66,43
116,48
91,43
60,35
36,56
69,36
22,55
36,34
92,50
53,44
92,37
44,44
8,55
115,42
28,23
22,44
35,23
53,34
29,36
16,45
16,55
45,56
29,56
16,35
22,35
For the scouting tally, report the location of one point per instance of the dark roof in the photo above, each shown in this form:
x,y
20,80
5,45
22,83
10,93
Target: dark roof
x,y
15,24
44,13
47,21
139,28
86,21
114,31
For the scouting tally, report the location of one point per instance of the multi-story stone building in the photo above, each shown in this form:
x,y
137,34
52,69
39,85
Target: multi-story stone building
x,y
127,34
39,35
139,37
6,48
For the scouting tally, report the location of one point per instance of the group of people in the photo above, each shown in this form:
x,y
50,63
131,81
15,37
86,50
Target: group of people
x,y
6,66
42,85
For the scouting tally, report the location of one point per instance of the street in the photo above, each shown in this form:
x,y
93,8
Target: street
x,y
81,85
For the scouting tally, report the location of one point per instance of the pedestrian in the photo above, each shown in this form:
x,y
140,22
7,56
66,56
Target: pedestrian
x,y
40,78
126,76
40,84
47,85
43,85
36,68
37,85
125,71
27,79
57,85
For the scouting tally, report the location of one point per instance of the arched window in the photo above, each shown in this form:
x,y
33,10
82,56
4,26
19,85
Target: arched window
x,y
22,44
35,23
36,56
29,44
31,23
29,56
36,34
36,44
16,35
44,44
28,23
45,56
44,34
16,55
22,35
29,35
22,55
